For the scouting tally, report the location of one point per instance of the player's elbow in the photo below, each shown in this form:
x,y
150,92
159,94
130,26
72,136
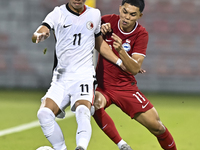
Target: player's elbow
x,y
133,70
134,73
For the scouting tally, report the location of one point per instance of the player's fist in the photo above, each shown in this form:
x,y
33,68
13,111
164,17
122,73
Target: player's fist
x,y
106,27
41,36
117,44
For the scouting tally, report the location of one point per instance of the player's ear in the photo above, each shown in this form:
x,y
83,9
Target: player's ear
x,y
141,14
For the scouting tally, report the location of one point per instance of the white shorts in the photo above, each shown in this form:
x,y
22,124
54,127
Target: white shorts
x,y
66,92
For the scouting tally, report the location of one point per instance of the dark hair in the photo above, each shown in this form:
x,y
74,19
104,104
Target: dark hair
x,y
137,3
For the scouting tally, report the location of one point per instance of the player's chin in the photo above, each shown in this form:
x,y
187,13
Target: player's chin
x,y
78,5
125,26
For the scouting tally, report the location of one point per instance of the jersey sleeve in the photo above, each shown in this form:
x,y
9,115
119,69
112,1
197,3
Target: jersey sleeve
x,y
51,19
141,42
98,28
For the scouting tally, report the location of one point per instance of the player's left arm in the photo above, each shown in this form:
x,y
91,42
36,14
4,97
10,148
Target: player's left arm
x,y
133,64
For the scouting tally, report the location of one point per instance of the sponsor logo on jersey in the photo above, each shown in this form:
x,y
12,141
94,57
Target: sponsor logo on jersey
x,y
66,26
126,46
144,106
90,25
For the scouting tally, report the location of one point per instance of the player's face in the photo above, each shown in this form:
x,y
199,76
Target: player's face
x,y
77,5
128,16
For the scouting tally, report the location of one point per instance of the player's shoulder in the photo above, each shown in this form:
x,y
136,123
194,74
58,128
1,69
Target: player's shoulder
x,y
60,8
110,18
94,10
114,16
141,29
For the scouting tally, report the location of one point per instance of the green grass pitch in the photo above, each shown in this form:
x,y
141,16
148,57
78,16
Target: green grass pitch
x,y
179,112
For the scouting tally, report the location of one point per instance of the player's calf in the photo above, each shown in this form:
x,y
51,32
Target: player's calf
x,y
46,118
166,141
51,129
84,129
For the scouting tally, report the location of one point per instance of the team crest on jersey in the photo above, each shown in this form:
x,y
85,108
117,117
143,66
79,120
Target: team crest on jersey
x,y
90,25
126,46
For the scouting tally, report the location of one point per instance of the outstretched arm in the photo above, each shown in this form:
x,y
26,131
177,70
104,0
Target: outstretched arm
x,y
40,34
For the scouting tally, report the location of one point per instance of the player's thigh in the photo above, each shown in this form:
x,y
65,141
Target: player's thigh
x,y
82,92
83,102
151,120
56,98
130,102
100,100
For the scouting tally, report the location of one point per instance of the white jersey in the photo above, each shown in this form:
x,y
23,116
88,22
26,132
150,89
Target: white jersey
x,y
75,38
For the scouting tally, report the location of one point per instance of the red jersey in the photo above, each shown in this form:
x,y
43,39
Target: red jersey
x,y
110,75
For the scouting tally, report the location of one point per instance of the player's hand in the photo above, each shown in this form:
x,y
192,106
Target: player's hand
x,y
142,71
117,44
106,27
123,67
41,36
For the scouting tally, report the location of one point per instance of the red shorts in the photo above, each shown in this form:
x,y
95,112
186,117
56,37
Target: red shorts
x,y
131,102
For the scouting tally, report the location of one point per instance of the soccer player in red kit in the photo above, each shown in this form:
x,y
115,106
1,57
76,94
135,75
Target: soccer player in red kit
x,y
128,40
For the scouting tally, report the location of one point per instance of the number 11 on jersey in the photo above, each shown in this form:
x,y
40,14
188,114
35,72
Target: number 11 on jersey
x,y
75,39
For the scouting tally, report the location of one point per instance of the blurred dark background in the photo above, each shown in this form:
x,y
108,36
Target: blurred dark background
x,y
173,54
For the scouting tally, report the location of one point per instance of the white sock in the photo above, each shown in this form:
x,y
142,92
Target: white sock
x,y
84,129
51,129
122,142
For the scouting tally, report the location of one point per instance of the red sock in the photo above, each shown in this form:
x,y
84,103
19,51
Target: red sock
x,y
107,125
166,141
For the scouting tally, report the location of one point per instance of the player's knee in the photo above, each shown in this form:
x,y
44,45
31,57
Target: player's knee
x,y
157,128
83,112
45,114
46,118
99,103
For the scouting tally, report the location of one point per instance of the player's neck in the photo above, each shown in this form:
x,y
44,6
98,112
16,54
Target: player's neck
x,y
78,11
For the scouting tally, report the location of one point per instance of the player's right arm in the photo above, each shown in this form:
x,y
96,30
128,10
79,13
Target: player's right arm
x,y
40,34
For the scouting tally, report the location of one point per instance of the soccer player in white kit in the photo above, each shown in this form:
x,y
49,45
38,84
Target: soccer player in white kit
x,y
77,31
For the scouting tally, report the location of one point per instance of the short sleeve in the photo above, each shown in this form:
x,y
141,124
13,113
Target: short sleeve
x,y
52,18
141,43
98,28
